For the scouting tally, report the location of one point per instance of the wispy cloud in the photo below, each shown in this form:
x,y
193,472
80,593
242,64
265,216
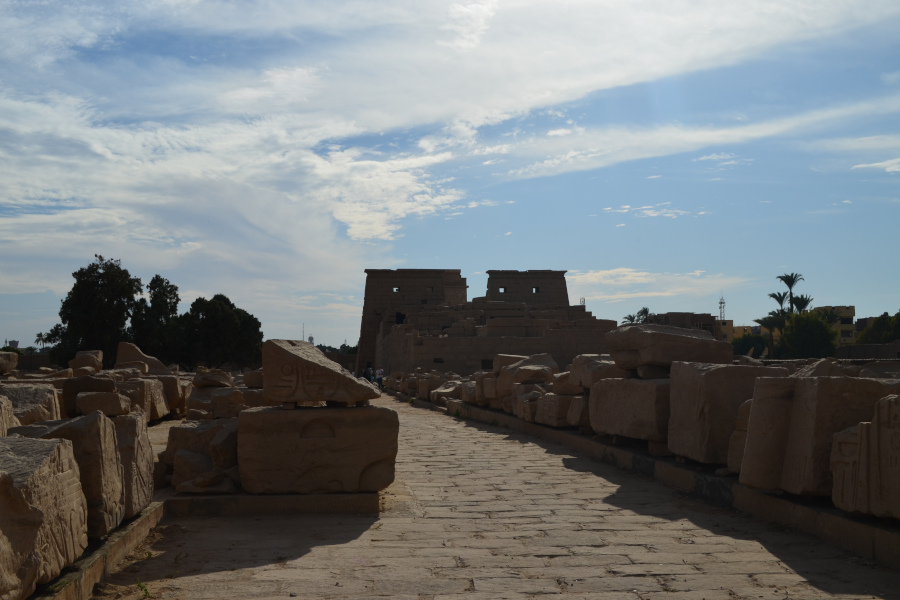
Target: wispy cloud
x,y
625,283
890,166
662,209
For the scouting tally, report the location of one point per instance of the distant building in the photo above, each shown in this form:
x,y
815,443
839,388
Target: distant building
x,y
844,325
730,331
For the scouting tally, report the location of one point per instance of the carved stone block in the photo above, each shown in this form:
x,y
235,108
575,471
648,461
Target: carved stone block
x,y
72,387
298,372
636,408
317,450
553,410
738,439
136,454
110,404
32,403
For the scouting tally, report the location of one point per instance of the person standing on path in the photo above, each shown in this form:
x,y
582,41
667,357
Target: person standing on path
x,y
379,378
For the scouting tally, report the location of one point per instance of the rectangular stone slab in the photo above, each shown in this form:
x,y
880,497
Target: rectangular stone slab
x,y
93,439
632,346
636,408
74,386
7,416
767,432
553,410
43,513
703,404
136,454
32,403
317,450
296,371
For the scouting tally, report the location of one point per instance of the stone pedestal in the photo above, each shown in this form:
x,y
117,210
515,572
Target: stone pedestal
x,y
317,450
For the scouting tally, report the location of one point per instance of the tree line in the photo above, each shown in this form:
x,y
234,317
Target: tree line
x,y
106,305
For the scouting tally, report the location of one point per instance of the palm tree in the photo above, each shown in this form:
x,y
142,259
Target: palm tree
x,y
790,280
802,302
772,321
636,318
39,339
779,297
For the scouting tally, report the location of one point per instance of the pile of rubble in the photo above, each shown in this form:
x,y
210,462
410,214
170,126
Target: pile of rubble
x,y
808,427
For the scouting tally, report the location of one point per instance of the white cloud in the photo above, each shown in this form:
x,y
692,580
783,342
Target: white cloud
x,y
654,176
662,209
468,23
626,283
891,78
890,166
559,132
717,156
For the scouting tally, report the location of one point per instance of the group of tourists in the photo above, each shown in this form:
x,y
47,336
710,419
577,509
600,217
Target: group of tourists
x,y
376,376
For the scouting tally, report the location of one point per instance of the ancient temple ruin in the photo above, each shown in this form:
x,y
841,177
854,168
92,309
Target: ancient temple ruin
x,y
421,318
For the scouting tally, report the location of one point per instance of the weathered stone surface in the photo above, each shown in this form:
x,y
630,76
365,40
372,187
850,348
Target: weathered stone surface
x,y
87,358
525,406
146,395
588,369
83,371
223,447
553,410
467,392
299,372
703,406
254,379
7,416
43,513
538,368
190,465
826,367
822,407
193,436
562,385
636,408
32,403
173,392
8,362
93,440
579,414
767,432
136,454
632,346
504,360
426,385
884,369
738,439
129,353
213,378
450,389
802,425
490,388
139,368
865,463
317,450
227,403
72,387
110,404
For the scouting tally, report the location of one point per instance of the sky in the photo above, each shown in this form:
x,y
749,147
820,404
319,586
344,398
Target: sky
x,y
666,153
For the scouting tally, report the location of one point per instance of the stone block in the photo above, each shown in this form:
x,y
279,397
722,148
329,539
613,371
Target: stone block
x,y
652,372
32,403
146,395
93,440
579,414
450,389
227,403
43,513
883,369
129,353
865,463
467,392
87,358
636,408
525,406
767,432
490,388
562,385
254,379
703,405
426,385
8,362
538,368
7,416
299,372
317,450
553,410
110,404
193,436
504,360
83,371
223,447
189,466
212,378
738,439
136,454
173,392
139,368
632,346
822,407
72,387
588,369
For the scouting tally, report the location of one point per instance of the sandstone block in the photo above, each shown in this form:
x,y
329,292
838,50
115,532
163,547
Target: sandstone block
x,y
490,388
189,466
254,379
525,406
632,346
223,447
139,368
146,395
193,436
129,353
227,403
298,372
562,385
450,389
767,432
426,385
738,439
83,371
213,378
8,362
93,440
703,406
636,408
110,404
553,410
32,403
467,392
504,360
579,414
87,358
43,513
7,416
537,368
865,463
72,387
136,454
317,450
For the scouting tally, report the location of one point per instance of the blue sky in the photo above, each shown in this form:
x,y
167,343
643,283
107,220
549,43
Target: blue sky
x,y
665,153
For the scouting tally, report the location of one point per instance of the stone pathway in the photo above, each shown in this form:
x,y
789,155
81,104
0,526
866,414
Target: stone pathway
x,y
486,513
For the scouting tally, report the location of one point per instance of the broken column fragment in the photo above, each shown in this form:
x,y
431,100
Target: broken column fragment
x,y
136,454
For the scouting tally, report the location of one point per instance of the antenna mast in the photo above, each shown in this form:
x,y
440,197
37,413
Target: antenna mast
x,y
722,308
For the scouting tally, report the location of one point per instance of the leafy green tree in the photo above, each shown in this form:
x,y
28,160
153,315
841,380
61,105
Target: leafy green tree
x,y
883,330
96,311
808,335
154,324
215,331
752,341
